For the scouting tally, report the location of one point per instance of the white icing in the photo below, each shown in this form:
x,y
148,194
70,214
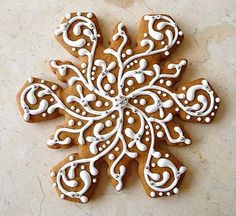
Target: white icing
x,y
105,137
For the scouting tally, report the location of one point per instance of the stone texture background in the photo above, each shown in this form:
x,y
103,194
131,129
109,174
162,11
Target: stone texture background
x,y
26,46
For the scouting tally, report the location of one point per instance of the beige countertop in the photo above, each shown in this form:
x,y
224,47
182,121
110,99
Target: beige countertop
x,y
26,46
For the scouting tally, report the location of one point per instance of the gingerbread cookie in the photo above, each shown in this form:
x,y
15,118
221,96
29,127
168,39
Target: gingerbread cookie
x,y
119,104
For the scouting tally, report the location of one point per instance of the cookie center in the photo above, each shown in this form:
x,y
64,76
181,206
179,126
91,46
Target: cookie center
x,y
120,102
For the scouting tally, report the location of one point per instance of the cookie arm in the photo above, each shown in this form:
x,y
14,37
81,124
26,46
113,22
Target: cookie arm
x,y
197,101
161,174
38,100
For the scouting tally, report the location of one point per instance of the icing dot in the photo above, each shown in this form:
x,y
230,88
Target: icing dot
x,y
113,116
92,73
130,82
177,109
160,194
168,83
94,67
160,134
51,99
108,142
54,184
83,65
126,89
188,116
135,101
158,92
131,63
108,123
164,94
176,190
92,78
71,158
127,113
123,55
145,34
88,44
163,43
128,51
54,87
82,167
180,33
152,194
107,87
153,164
104,146
186,102
117,148
79,123
128,66
178,42
72,107
147,132
111,156
142,102
199,118
106,104
212,114
52,174
94,180
207,119
77,110
167,155
98,103
187,141
147,139
30,80
181,96
216,107
217,100
136,61
161,81
73,49
71,122
62,196
89,15
112,91
83,113
168,193
68,16
167,53
146,127
130,120
44,115
184,88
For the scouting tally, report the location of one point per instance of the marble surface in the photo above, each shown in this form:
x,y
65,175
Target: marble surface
x,y
26,46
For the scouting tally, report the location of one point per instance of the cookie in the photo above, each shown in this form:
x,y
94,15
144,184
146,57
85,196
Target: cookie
x,y
119,104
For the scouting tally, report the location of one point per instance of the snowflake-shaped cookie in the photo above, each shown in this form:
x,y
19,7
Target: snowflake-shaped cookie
x,y
118,105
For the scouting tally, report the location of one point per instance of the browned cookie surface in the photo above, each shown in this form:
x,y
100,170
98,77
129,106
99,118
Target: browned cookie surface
x,y
119,104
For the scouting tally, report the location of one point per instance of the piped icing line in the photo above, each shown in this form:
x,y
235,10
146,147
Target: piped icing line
x,y
101,124
60,176
62,29
206,108
117,54
171,41
44,106
162,162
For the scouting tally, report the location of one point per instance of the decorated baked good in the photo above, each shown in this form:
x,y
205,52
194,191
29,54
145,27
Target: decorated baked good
x,y
119,104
